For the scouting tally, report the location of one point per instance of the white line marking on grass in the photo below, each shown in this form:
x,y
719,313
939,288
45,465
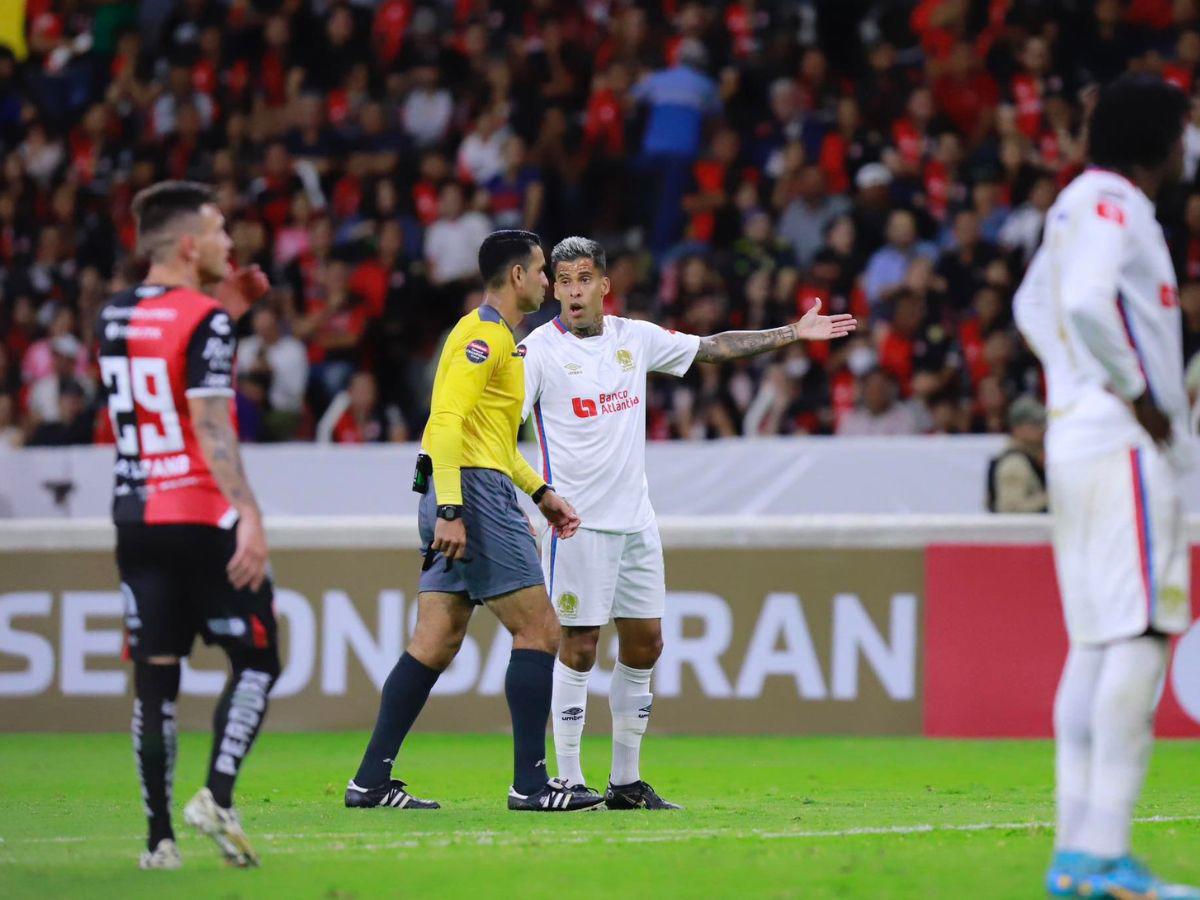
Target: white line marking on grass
x,y
339,841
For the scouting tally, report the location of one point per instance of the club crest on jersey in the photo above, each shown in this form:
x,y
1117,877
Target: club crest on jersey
x,y
478,351
520,351
567,603
625,359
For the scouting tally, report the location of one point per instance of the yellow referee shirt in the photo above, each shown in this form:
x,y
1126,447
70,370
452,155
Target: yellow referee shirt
x,y
475,412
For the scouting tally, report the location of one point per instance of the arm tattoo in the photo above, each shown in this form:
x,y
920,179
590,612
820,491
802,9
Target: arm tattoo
x,y
737,344
219,445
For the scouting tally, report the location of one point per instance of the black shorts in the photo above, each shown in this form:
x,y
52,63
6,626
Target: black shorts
x,y
175,586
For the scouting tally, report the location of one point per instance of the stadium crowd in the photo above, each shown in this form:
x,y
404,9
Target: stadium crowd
x,y
738,160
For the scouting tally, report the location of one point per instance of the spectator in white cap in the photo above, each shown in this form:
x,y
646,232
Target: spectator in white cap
x,y
38,360
872,205
873,175
43,396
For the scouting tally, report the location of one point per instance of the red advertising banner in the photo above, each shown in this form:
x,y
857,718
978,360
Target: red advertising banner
x,y
995,645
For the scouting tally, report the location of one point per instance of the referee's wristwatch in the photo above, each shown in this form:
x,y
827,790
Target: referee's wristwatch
x,y
449,512
537,495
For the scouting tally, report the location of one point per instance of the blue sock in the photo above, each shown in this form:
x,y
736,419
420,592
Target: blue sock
x,y
404,695
527,685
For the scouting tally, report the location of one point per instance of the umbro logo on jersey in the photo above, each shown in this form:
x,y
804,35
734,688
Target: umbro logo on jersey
x,y
573,368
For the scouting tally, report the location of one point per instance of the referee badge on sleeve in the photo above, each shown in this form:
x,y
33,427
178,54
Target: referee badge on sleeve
x,y
478,351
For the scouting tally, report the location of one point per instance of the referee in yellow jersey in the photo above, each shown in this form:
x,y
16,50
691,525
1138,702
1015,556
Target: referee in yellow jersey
x,y
478,547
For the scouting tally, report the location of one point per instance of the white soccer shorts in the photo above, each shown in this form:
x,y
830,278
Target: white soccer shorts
x,y
594,576
1120,546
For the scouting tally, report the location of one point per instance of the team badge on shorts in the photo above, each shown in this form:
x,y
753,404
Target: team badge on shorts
x,y
567,603
478,351
625,358
1172,599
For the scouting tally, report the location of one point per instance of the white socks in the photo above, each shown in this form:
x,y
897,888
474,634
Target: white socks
x,y
629,698
1104,721
568,709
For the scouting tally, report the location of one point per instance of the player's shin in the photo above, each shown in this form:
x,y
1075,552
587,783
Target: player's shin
x,y
568,711
1122,736
154,738
239,716
1073,741
630,699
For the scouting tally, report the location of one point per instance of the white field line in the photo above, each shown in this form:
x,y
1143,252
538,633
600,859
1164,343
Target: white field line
x,y
337,841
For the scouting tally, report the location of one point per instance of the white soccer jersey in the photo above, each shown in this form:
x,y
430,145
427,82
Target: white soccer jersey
x,y
1100,308
587,397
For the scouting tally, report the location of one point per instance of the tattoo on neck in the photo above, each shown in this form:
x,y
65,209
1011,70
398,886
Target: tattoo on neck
x,y
594,330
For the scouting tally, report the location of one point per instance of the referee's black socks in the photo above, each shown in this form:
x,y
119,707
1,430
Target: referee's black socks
x,y
527,686
404,695
154,741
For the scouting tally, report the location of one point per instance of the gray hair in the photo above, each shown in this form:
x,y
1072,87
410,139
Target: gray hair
x,y
573,248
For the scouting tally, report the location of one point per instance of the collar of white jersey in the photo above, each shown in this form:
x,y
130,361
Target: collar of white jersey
x,y
562,329
1138,193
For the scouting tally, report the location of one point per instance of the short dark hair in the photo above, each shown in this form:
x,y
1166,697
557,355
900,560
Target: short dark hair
x,y
1136,121
159,205
501,250
573,248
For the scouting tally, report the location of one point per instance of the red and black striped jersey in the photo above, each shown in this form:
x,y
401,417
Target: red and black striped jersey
x,y
158,346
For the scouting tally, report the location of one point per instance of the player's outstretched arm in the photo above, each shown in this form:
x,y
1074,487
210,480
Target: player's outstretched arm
x,y
217,436
739,344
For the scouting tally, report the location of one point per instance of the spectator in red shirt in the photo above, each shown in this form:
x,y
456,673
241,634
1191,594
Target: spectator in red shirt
x,y
1032,83
355,416
333,327
965,93
845,149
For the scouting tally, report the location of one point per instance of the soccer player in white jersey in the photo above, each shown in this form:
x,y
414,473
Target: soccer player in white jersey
x,y
585,384
1099,307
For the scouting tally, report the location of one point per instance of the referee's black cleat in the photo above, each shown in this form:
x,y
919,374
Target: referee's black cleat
x,y
638,795
390,793
556,796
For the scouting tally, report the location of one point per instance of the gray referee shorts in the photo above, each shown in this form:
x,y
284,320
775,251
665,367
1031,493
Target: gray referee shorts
x,y
501,554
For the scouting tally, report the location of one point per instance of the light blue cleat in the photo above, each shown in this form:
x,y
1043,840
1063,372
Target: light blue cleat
x,y
1069,870
1128,879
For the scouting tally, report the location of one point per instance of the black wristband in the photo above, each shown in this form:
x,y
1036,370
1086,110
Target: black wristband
x,y
449,512
537,495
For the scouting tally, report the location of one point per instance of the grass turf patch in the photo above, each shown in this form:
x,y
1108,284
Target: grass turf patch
x,y
817,817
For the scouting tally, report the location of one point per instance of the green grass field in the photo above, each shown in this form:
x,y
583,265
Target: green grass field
x,y
818,817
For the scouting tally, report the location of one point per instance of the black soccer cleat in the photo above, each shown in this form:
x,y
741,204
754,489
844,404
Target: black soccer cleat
x,y
390,793
556,796
638,795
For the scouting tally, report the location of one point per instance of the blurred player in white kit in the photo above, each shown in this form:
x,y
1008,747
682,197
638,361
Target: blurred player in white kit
x,y
585,384
1100,308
